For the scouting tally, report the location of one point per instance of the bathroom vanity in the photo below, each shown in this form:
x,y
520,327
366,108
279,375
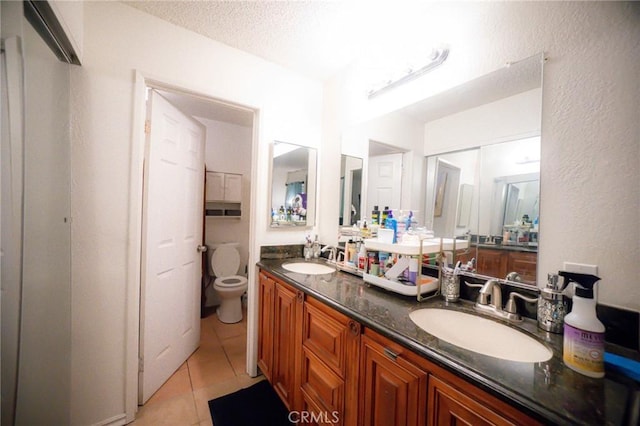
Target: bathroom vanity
x,y
330,343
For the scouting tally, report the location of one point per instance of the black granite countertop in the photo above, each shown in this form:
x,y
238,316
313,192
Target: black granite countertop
x,y
548,391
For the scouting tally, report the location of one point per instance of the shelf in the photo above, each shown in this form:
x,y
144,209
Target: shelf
x,y
428,284
431,245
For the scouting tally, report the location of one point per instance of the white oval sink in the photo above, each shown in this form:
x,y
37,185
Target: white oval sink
x,y
308,268
480,335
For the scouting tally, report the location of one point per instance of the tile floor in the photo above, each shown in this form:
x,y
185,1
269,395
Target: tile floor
x,y
215,369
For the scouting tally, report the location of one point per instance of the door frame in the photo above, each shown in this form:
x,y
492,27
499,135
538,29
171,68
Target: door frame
x,y
134,243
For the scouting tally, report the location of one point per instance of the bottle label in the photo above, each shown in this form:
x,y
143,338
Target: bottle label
x,y
583,350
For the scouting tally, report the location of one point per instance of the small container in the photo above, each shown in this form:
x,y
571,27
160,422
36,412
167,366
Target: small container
x,y
450,285
552,306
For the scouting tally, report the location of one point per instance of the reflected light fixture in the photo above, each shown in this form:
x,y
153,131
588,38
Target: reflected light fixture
x,y
437,57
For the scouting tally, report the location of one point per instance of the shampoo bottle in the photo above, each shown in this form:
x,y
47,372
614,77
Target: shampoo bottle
x,y
375,216
392,223
583,349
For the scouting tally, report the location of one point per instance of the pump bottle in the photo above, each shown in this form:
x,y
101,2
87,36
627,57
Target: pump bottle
x,y
583,349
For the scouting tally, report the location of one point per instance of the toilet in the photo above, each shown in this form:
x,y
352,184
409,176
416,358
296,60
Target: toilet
x,y
230,287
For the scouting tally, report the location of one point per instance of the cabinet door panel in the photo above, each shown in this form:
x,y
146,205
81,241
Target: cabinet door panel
x,y
525,264
215,186
233,188
266,289
450,406
284,347
393,390
492,263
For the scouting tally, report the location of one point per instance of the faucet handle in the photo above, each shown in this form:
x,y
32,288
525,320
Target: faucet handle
x,y
511,307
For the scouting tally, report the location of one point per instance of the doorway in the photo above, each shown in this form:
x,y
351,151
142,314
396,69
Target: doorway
x,y
229,135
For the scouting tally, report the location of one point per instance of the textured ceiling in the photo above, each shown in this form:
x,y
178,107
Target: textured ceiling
x,y
300,35
315,38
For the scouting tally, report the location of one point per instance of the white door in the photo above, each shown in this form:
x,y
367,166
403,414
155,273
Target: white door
x,y
385,181
171,236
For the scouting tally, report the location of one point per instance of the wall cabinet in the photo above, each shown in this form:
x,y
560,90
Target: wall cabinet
x,y
321,361
223,194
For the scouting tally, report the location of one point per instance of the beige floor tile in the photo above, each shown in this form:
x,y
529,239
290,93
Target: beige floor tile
x,y
224,331
245,380
204,395
179,383
239,363
206,353
177,411
207,373
235,345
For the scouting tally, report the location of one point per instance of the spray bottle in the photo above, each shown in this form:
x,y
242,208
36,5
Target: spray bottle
x,y
583,333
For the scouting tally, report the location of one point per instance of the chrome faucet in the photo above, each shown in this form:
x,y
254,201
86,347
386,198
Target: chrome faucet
x,y
511,307
490,301
491,289
332,252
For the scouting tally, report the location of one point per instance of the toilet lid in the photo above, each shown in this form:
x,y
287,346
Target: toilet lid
x,y
225,261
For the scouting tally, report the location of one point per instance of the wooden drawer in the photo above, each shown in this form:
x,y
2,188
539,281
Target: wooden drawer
x,y
325,335
321,386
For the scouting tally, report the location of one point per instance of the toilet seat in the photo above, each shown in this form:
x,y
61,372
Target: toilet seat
x,y
231,282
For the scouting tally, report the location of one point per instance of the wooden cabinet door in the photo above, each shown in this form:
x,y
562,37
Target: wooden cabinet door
x,y
330,362
393,391
266,291
492,263
286,334
468,405
525,264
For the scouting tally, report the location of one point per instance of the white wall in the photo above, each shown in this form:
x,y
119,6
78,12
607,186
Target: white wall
x,y
590,131
118,40
512,118
228,150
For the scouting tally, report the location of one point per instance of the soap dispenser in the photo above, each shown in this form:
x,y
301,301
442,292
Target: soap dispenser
x,y
552,306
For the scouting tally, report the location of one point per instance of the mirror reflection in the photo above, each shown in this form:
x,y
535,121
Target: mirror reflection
x,y
384,182
292,185
350,191
481,178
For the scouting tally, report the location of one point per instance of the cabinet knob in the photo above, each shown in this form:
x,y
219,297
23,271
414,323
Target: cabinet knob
x,y
202,249
354,327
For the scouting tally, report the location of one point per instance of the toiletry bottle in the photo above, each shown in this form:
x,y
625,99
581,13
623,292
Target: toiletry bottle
x,y
375,216
408,222
316,248
583,333
383,217
347,245
362,258
391,223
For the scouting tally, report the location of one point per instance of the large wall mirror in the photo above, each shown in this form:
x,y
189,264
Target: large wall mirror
x,y
481,171
293,183
350,191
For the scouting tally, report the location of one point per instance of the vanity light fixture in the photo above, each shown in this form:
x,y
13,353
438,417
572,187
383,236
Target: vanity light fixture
x,y
437,57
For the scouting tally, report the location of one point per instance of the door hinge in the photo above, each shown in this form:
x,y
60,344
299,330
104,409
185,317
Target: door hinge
x,y
147,127
140,365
